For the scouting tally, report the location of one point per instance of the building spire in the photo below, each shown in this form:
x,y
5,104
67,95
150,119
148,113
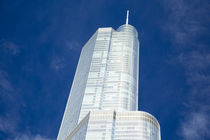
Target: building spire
x,y
127,17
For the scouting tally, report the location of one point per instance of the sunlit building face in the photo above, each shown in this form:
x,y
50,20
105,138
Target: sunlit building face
x,y
112,81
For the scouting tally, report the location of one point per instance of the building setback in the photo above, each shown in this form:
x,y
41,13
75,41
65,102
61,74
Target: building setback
x,y
103,101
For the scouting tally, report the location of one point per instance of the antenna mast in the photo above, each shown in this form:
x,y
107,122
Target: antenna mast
x,y
127,17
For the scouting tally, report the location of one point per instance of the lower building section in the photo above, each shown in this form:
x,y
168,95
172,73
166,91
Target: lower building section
x,y
80,131
126,125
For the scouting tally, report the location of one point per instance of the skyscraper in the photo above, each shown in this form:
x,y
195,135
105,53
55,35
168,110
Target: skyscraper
x,y
105,87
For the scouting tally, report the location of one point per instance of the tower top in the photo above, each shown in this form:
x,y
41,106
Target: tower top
x,y
127,17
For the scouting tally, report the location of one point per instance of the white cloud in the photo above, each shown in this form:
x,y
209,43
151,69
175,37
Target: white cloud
x,y
197,71
187,20
188,23
31,137
58,63
7,125
73,45
4,82
10,119
196,127
195,60
9,46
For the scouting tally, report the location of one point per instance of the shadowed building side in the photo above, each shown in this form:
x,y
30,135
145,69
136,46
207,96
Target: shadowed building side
x,y
73,107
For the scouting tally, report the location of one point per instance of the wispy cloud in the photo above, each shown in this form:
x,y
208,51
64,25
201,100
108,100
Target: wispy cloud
x,y
73,45
196,127
4,82
196,123
9,46
187,20
188,23
8,124
10,117
57,63
31,137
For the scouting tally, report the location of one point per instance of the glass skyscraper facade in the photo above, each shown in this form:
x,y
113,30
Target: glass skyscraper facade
x,y
106,86
122,125
112,80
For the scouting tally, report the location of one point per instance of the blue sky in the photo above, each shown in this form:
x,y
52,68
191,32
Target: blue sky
x,y
40,44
